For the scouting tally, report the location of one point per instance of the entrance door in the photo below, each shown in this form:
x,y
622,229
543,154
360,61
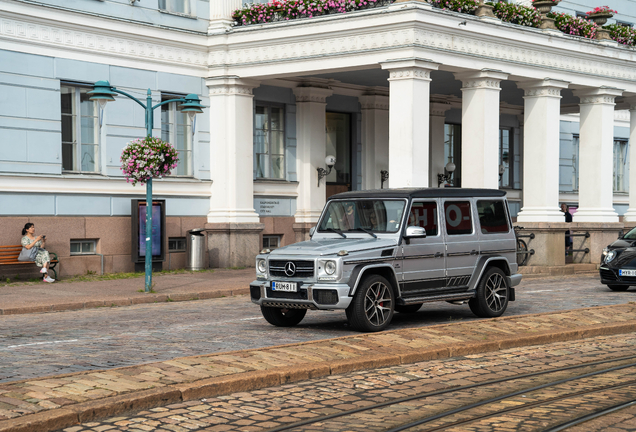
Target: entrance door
x,y
339,145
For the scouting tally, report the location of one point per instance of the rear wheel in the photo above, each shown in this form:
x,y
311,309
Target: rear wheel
x,y
283,317
412,308
373,305
492,294
618,287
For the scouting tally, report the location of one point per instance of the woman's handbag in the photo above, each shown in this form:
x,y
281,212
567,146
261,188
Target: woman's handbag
x,y
28,254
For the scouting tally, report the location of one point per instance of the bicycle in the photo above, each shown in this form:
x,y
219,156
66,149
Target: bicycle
x,y
522,248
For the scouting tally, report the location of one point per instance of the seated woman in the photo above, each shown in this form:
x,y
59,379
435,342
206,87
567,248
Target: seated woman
x,y
42,259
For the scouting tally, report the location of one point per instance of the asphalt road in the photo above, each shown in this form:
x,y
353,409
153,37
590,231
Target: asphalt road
x,y
40,345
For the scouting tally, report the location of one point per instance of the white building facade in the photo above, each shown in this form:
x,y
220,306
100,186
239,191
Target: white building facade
x,y
394,92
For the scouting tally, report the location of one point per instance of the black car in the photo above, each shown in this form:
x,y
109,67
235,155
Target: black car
x,y
618,263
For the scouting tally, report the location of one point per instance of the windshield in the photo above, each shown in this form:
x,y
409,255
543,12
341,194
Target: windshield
x,y
631,235
380,216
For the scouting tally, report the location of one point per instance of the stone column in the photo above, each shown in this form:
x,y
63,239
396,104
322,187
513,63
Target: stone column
x,y
233,226
311,148
480,127
221,14
630,216
436,137
375,139
409,98
596,141
542,109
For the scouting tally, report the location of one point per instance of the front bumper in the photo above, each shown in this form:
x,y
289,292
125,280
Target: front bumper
x,y
311,295
514,280
610,276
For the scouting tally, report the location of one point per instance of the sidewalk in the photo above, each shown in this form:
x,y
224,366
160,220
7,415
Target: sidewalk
x,y
53,403
23,298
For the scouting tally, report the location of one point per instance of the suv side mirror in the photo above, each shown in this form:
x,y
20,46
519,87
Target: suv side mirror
x,y
312,230
413,231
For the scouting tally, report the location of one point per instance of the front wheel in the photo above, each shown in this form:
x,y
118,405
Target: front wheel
x,y
373,305
283,317
492,294
618,287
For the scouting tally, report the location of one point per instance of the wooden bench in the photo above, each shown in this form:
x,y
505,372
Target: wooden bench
x,y
9,256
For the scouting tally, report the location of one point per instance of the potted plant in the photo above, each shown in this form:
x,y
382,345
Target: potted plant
x,y
147,158
544,7
600,14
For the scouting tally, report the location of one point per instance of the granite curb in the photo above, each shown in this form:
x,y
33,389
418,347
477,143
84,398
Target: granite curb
x,y
386,349
130,301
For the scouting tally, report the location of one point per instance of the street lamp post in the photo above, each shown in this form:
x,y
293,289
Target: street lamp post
x,y
103,92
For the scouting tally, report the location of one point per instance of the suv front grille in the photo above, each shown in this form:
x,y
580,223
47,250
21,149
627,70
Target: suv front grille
x,y
303,269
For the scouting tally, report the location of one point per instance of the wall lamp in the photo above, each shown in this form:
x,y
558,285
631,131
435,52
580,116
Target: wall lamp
x,y
384,176
447,176
330,161
502,169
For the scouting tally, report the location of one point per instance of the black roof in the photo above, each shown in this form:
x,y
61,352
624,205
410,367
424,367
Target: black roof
x,y
421,193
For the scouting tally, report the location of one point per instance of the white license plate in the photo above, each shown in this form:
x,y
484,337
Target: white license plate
x,y
627,272
284,286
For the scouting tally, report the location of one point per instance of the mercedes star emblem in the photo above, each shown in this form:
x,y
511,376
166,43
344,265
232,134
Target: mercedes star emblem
x,y
290,269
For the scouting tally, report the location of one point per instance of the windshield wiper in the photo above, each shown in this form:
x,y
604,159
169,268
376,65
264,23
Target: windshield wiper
x,y
336,231
366,231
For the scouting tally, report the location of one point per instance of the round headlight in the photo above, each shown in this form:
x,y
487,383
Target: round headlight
x,y
262,266
610,256
330,267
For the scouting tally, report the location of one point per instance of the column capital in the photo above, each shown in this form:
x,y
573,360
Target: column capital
x,y
439,109
483,79
411,68
601,95
221,86
543,88
312,94
375,102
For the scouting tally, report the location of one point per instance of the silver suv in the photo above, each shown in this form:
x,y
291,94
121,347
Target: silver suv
x,y
376,252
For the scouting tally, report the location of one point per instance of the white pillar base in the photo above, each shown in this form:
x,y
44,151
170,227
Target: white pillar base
x,y
630,215
233,216
540,214
595,215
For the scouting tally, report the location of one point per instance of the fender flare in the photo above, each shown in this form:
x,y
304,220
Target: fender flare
x,y
359,271
481,266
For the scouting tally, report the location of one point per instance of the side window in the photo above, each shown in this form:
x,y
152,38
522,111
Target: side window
x,y
492,216
424,215
458,217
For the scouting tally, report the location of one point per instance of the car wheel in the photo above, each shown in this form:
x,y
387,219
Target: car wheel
x,y
373,305
492,294
618,287
283,317
406,309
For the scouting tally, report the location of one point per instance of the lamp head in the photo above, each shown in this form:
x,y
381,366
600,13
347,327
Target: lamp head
x,y
450,167
102,92
191,106
330,161
502,169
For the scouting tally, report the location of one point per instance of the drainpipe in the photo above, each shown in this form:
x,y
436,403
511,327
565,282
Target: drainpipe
x,y
102,257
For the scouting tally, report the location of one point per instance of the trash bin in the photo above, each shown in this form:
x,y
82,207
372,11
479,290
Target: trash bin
x,y
195,250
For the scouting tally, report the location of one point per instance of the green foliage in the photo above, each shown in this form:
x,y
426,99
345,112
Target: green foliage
x,y
574,26
622,34
464,6
517,14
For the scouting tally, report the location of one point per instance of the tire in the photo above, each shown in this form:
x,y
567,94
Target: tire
x,y
407,309
492,294
522,258
373,306
283,317
618,287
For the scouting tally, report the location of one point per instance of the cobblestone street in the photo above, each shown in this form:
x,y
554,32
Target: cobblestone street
x,y
288,404
39,345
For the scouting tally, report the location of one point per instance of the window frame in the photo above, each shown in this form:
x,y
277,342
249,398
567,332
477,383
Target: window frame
x,y
269,176
80,242
173,112
623,144
270,237
505,211
177,239
512,154
76,116
436,215
471,218
166,6
453,151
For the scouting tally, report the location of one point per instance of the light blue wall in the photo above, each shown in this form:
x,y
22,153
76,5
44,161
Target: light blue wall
x,y
626,8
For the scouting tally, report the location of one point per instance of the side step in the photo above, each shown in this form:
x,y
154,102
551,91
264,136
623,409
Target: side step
x,y
444,297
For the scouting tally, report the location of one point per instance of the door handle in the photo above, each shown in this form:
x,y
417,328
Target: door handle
x,y
474,252
439,255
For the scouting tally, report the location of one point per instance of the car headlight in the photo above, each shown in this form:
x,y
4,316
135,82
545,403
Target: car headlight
x,y
262,266
330,267
610,256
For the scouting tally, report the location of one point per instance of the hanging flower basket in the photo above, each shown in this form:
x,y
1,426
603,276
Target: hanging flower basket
x,y
148,158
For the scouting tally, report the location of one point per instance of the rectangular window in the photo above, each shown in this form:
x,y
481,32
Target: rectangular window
x,y
492,216
424,215
271,242
458,217
80,142
176,6
621,173
505,158
83,247
177,130
177,244
338,128
453,151
575,163
269,142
